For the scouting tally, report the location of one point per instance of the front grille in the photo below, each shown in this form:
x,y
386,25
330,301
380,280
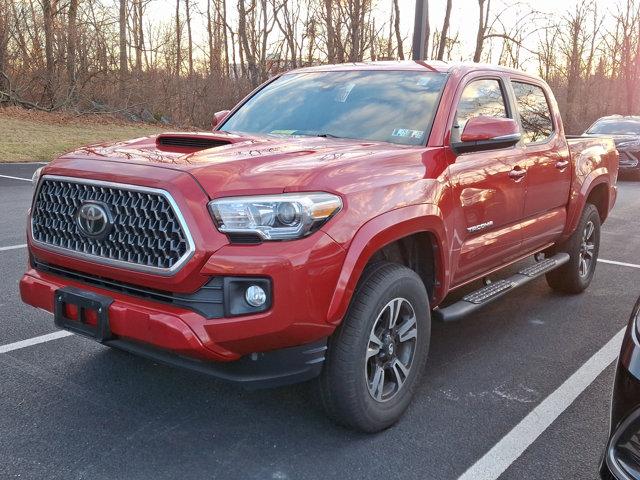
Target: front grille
x,y
628,159
146,232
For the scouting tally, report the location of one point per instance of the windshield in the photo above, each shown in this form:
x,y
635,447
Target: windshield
x,y
396,107
616,127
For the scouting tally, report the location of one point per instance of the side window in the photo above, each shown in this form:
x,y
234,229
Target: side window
x,y
535,114
479,98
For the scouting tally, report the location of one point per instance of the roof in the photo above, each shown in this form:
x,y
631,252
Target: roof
x,y
411,65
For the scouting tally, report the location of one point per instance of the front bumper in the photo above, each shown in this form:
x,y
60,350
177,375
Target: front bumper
x,y
283,344
622,456
142,329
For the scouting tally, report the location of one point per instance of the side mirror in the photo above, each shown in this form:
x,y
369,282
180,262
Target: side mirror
x,y
487,133
218,117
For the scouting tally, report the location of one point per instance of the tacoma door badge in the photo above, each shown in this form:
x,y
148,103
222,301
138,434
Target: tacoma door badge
x,y
480,226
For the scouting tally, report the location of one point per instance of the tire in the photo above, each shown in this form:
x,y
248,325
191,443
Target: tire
x,y
350,387
583,247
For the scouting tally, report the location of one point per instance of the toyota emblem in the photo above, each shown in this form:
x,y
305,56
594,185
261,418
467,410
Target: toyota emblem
x,y
94,219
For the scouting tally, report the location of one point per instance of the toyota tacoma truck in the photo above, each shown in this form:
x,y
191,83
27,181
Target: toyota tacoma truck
x,y
319,227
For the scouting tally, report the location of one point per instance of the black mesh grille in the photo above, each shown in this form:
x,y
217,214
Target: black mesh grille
x,y
146,231
190,142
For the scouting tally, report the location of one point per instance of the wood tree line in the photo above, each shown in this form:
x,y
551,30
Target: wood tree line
x,y
181,60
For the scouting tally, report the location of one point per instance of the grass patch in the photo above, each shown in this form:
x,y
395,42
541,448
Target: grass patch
x,y
36,136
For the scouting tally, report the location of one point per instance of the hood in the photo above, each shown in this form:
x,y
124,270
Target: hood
x,y
228,164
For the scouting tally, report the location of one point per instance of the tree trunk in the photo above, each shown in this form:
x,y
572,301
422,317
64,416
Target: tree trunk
x,y
328,12
427,30
71,46
396,9
137,34
123,43
187,6
246,49
212,58
48,49
483,18
178,40
225,38
4,43
445,30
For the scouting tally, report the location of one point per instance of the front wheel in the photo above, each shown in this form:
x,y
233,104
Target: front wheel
x,y
376,357
583,247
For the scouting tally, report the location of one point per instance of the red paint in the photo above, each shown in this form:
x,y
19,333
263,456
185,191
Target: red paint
x,y
486,128
520,195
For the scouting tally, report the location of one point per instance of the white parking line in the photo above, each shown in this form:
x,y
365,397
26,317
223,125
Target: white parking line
x,y
15,178
24,163
12,247
514,443
34,341
622,264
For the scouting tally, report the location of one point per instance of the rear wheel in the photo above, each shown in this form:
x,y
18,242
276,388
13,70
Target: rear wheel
x,y
583,247
376,357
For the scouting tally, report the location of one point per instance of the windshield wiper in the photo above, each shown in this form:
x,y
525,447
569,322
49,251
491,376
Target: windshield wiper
x,y
327,135
307,133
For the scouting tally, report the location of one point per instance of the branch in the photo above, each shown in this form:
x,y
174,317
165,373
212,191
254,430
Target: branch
x,y
509,38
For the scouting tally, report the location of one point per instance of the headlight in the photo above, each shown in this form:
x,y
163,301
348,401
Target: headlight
x,y
275,217
36,176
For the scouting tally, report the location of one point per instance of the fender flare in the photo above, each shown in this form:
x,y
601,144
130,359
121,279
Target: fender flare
x,y
596,177
378,232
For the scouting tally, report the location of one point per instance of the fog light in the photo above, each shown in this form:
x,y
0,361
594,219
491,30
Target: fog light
x,y
255,296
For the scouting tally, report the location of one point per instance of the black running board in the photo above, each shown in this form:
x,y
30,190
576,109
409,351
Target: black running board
x,y
478,299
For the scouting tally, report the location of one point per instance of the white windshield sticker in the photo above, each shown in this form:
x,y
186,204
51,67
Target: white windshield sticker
x,y
426,81
343,92
407,133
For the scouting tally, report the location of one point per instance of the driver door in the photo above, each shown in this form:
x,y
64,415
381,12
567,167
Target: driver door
x,y
488,187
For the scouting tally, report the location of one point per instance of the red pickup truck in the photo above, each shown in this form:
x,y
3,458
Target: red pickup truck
x,y
317,230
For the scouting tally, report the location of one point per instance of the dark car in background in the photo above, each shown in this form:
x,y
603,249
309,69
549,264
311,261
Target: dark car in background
x,y
625,131
622,456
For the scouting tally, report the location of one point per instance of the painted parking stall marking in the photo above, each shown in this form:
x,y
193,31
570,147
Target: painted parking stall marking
x,y
13,247
34,341
621,264
15,178
514,443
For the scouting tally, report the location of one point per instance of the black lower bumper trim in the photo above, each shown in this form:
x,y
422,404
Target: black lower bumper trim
x,y
259,370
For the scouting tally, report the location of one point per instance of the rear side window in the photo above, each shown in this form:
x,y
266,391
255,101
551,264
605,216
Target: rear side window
x,y
479,98
535,114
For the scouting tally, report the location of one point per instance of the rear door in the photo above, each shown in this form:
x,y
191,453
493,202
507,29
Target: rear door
x,y
488,185
547,162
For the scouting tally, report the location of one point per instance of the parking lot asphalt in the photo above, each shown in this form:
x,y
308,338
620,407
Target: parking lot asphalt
x,y
74,409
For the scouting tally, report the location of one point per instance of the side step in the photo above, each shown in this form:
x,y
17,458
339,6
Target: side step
x,y
478,299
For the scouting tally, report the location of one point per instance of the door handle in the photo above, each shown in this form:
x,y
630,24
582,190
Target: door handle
x,y
517,174
562,164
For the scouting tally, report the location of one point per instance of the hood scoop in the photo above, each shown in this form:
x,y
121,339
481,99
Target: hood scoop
x,y
189,142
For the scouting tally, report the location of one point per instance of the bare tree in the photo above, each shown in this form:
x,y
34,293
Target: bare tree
x,y
483,21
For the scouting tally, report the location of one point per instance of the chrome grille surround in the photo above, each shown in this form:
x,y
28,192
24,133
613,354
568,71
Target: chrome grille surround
x,y
149,232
